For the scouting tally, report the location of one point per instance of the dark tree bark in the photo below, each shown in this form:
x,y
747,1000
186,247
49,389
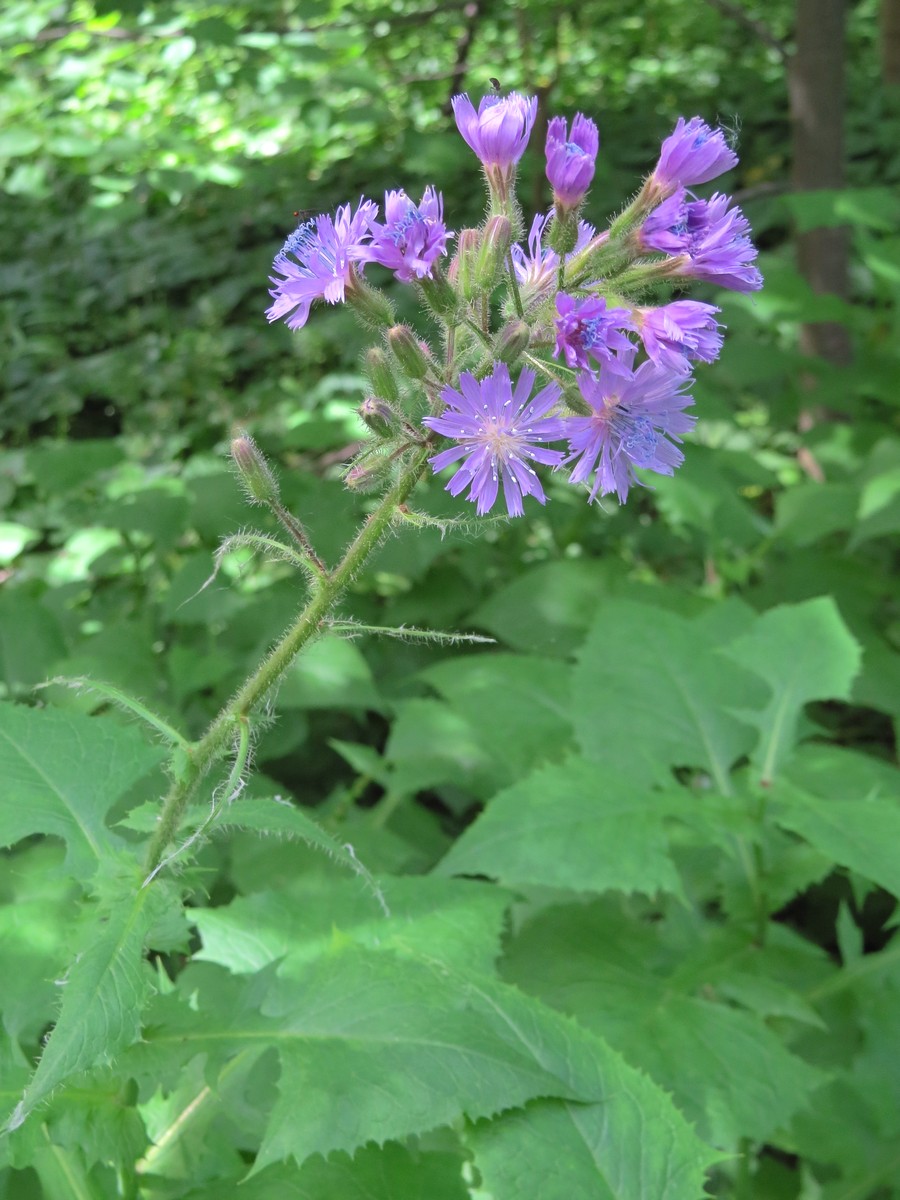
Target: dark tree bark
x,y
816,88
890,42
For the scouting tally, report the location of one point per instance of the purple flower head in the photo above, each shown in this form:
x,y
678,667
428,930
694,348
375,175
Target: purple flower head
x,y
412,236
665,228
713,238
497,431
693,153
536,270
675,333
720,248
499,131
316,260
571,161
587,329
635,414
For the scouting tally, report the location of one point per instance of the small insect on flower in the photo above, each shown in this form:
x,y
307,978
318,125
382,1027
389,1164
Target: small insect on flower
x,y
497,431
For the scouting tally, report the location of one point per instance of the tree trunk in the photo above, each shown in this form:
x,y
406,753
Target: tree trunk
x,y
816,87
890,43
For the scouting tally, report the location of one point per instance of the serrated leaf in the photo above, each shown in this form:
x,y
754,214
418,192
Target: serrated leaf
x,y
354,1072
279,818
862,834
652,691
103,996
725,1068
450,920
634,1145
804,652
388,1172
577,825
62,772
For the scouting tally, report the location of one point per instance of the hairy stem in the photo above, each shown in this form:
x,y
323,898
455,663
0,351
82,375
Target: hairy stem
x,y
214,744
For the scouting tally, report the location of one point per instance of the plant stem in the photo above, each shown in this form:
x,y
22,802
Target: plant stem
x,y
213,745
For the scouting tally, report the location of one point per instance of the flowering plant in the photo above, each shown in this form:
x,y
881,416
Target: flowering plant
x,y
615,400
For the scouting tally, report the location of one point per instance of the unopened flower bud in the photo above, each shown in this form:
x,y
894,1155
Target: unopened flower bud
x,y
368,302
492,252
462,269
408,351
512,341
258,480
439,295
379,417
368,474
381,375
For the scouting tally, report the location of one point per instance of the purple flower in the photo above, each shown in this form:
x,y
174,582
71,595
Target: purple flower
x,y
675,333
571,161
499,131
635,414
412,235
587,329
324,250
693,153
666,229
713,238
497,431
719,245
536,270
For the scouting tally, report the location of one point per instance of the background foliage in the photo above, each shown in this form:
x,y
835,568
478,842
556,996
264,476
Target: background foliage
x,y
624,919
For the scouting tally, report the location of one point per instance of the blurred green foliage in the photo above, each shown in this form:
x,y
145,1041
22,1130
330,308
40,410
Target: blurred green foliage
x,y
151,158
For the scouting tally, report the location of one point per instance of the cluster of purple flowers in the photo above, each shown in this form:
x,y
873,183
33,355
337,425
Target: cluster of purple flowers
x,y
619,404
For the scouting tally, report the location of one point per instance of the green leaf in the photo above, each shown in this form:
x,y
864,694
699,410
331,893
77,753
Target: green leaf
x,y
547,609
652,691
281,819
724,1066
861,834
353,1073
517,706
388,1172
575,826
804,652
103,997
62,772
634,1145
450,920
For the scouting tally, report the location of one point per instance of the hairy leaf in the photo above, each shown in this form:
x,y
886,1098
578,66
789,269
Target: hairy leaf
x,y
61,774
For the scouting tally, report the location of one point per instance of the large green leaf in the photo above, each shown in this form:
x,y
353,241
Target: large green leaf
x,y
653,691
578,825
518,707
104,994
388,1172
804,652
61,774
454,921
633,1145
861,833
368,1043
724,1066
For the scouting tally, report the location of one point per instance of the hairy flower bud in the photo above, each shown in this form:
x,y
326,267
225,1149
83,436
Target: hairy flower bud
x,y
258,480
380,375
409,352
367,474
379,417
492,252
462,269
512,341
369,303
439,296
